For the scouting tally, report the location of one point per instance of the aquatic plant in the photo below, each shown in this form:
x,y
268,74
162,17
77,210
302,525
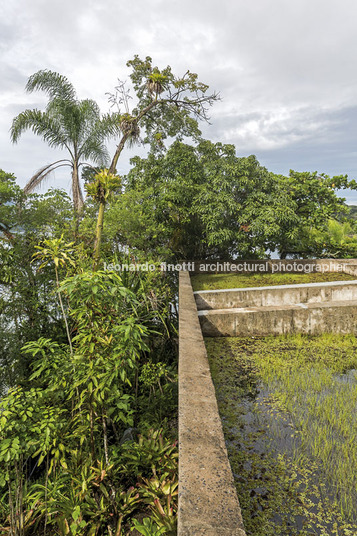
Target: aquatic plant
x,y
288,407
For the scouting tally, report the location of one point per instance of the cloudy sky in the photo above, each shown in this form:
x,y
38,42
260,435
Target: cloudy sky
x,y
285,69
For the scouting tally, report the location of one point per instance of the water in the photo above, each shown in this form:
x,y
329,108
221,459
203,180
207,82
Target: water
x,y
282,485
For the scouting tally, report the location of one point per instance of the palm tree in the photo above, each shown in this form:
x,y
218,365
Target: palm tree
x,y
67,123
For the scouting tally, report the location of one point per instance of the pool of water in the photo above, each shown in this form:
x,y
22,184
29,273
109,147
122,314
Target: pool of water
x,y
288,408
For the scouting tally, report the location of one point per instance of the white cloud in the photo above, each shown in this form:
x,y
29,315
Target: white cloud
x,y
281,127
285,69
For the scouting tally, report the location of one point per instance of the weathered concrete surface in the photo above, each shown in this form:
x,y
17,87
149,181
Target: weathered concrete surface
x,y
351,267
311,318
276,295
208,503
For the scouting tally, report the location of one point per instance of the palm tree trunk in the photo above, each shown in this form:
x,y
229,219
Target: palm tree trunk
x,y
76,189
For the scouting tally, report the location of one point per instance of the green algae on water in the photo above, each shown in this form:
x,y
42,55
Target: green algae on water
x,y
288,408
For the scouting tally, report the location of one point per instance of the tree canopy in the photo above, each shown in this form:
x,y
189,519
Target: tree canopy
x,y
203,201
166,106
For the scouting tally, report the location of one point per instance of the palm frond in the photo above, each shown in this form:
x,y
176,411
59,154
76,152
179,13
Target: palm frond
x,y
89,110
41,124
66,123
93,149
42,174
94,135
88,114
67,114
109,125
52,83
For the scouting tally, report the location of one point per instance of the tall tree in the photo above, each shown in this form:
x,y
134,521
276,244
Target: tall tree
x,y
67,123
167,106
199,202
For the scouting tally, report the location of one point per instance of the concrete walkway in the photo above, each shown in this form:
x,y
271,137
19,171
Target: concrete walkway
x,y
208,503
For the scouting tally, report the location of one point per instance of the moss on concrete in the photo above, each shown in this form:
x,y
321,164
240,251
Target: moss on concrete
x,y
232,280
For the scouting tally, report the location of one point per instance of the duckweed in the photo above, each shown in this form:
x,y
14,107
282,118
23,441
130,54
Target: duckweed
x,y
288,407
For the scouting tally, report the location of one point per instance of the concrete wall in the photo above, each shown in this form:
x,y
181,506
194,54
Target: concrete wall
x,y
208,503
274,296
351,267
311,308
313,319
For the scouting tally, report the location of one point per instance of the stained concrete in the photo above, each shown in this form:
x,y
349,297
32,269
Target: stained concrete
x,y
276,295
208,503
351,267
310,318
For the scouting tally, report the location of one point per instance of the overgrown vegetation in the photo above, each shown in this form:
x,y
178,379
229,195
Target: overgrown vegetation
x,y
288,411
88,412
82,448
89,356
208,281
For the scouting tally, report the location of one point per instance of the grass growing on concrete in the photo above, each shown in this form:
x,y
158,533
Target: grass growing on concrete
x,y
288,407
232,280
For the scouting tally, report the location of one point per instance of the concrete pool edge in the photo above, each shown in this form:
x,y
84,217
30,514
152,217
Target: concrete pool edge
x,y
208,504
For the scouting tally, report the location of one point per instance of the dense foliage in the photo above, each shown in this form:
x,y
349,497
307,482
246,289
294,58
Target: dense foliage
x,y
88,355
27,303
87,416
203,201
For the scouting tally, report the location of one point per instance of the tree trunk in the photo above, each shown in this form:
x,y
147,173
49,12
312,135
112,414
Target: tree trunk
x,y
117,153
98,235
123,140
76,189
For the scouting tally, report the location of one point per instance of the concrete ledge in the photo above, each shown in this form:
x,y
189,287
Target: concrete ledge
x,y
208,503
310,318
276,295
351,268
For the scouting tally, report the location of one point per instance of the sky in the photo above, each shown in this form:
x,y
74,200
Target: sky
x,y
285,71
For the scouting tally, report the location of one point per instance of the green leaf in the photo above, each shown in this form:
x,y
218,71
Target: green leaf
x,y
76,513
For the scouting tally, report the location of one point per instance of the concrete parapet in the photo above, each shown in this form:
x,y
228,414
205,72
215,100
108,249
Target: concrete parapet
x,y
208,503
310,318
277,295
351,267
